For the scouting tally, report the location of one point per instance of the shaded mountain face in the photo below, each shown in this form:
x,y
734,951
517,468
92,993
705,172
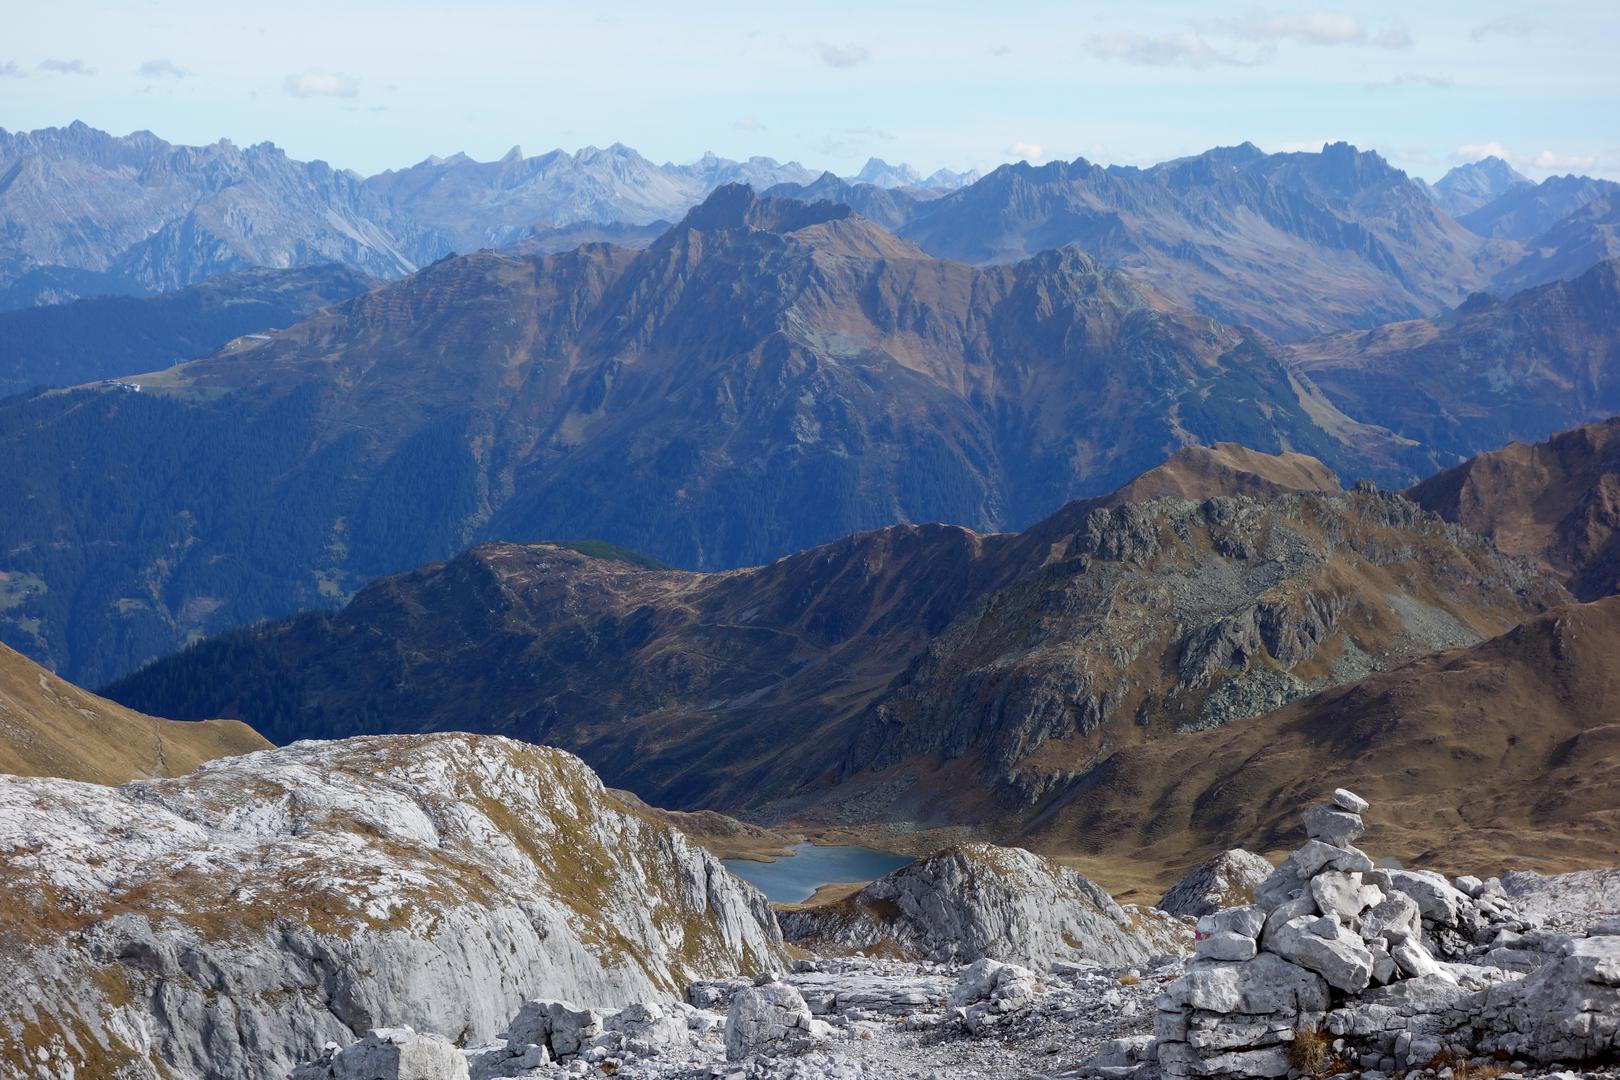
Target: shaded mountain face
x,y
163,216
1523,212
1584,239
1469,187
923,674
1489,372
1556,502
464,205
49,727
766,376
67,344
1487,757
1294,244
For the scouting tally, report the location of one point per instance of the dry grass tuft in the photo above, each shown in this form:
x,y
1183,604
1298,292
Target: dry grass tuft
x,y
1311,1052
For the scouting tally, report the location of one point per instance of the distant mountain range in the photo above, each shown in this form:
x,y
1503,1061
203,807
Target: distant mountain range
x,y
1293,244
86,213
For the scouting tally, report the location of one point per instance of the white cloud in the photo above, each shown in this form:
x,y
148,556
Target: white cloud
x,y
66,67
322,84
1025,151
748,123
161,69
1185,49
1317,26
842,56
1413,78
1514,26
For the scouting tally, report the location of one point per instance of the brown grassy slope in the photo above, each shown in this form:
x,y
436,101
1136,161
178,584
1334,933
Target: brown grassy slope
x,y
1556,502
1227,468
1498,755
49,727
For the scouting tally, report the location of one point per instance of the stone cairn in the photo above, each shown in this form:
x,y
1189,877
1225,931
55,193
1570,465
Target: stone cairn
x,y
1343,966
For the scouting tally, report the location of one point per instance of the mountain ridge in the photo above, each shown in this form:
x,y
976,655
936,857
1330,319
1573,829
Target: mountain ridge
x,y
765,376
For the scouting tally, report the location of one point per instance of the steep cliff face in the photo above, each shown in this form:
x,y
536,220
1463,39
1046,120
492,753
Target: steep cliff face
x,y
1556,502
230,922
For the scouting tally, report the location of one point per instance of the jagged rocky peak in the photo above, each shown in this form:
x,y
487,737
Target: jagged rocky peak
x,y
736,206
1342,964
313,892
979,901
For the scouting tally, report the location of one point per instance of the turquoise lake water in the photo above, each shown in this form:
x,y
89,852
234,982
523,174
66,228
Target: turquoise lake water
x,y
791,880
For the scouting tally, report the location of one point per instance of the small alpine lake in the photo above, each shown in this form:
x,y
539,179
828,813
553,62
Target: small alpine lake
x,y
794,879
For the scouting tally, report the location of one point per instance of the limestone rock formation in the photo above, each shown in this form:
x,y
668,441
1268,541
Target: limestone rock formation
x,y
1227,880
228,923
981,901
770,1017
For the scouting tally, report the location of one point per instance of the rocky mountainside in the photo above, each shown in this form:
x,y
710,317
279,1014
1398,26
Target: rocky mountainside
x,y
766,376
1487,373
165,216
1486,757
1556,502
228,923
1468,187
914,674
71,343
1295,244
49,727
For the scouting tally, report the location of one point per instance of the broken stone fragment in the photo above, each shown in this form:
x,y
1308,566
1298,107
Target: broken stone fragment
x,y
388,1054
770,1018
1225,945
1340,957
1343,894
1349,800
1395,918
1333,826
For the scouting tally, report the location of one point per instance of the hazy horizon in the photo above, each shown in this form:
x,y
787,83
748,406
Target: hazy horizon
x,y
369,86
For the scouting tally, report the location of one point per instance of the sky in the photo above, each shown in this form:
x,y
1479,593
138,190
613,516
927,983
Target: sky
x,y
370,85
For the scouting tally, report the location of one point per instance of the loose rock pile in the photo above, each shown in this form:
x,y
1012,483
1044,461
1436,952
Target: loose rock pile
x,y
1339,964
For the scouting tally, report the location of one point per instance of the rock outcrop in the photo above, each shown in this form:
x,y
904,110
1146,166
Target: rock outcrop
x,y
1227,880
1341,965
979,901
228,923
